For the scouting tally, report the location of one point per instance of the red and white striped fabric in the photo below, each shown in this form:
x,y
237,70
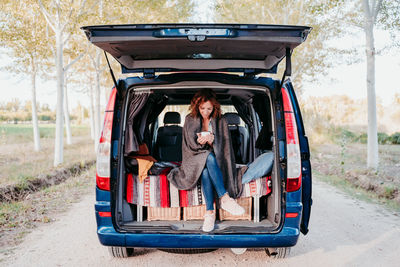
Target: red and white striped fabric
x,y
157,191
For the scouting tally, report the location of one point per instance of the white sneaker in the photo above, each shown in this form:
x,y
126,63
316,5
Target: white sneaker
x,y
232,207
209,221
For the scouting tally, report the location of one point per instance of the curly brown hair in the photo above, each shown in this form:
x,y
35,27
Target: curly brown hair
x,y
202,96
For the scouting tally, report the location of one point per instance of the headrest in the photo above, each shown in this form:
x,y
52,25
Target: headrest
x,y
172,117
232,118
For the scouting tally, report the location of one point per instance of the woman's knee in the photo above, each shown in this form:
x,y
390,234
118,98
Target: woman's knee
x,y
205,174
211,160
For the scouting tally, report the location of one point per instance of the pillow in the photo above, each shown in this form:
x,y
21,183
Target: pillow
x,y
261,166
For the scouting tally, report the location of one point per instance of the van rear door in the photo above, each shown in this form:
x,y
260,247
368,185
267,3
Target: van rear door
x,y
305,160
194,47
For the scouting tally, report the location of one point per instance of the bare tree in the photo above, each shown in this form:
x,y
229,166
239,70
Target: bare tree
x,y
311,58
323,16
66,112
68,74
371,10
23,36
118,11
60,16
98,68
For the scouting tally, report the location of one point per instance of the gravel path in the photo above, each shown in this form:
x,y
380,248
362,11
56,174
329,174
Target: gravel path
x,y
343,232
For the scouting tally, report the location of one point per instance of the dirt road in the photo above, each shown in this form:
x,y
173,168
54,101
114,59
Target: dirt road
x,y
343,232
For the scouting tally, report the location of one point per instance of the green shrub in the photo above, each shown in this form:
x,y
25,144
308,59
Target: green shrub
x,y
395,138
349,135
44,117
383,138
362,138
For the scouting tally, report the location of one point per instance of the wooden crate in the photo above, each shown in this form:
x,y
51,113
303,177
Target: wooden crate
x,y
245,202
194,212
163,214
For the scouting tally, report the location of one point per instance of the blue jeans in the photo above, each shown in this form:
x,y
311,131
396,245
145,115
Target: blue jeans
x,y
260,167
211,179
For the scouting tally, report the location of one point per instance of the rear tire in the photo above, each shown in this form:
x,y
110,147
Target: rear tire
x,y
187,250
277,253
238,251
120,252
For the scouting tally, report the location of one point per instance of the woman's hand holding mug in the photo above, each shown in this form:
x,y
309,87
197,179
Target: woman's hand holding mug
x,y
205,137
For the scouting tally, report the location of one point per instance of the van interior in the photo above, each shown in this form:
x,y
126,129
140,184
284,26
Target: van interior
x,y
155,115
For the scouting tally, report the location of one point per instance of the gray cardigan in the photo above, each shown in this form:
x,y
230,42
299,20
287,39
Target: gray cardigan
x,y
194,157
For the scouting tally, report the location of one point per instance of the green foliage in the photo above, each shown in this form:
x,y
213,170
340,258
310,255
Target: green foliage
x,y
310,58
26,116
395,138
390,19
343,146
340,135
363,138
44,117
349,135
343,136
383,138
6,213
24,36
389,192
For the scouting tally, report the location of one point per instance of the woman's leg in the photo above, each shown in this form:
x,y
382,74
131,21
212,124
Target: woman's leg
x,y
207,189
227,203
215,174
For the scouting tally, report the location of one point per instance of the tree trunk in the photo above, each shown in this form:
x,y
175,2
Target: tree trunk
x,y
59,139
66,116
373,156
82,111
36,133
97,110
97,115
91,112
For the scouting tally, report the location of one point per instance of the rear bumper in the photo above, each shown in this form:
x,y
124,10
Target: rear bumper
x,y
287,237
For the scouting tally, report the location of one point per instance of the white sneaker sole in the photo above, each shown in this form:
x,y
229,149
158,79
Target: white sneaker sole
x,y
210,228
234,212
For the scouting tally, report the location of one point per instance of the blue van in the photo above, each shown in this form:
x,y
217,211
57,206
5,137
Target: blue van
x,y
164,66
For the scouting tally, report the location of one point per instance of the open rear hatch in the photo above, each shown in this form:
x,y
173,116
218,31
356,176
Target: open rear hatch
x,y
147,49
244,48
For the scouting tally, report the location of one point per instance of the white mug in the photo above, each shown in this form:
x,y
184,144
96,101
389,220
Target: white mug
x,y
204,133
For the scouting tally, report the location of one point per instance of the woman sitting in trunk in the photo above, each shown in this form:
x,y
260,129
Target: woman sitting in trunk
x,y
207,153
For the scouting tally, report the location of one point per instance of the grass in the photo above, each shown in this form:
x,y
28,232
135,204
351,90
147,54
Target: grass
x,y
346,168
355,191
23,133
18,218
19,162
354,158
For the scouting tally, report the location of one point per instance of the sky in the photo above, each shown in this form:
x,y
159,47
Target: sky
x,y
350,79
19,86
343,79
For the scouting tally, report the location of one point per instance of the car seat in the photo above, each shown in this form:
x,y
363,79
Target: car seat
x,y
239,136
168,145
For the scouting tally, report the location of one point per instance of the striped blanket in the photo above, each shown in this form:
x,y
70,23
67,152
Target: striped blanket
x,y
156,191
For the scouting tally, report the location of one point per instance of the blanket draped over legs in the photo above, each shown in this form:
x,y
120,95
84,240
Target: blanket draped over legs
x,y
194,157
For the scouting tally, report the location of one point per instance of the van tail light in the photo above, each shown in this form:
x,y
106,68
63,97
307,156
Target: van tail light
x,y
293,182
291,214
105,214
104,149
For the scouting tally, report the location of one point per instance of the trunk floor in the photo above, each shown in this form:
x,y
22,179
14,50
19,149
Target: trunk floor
x,y
196,225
